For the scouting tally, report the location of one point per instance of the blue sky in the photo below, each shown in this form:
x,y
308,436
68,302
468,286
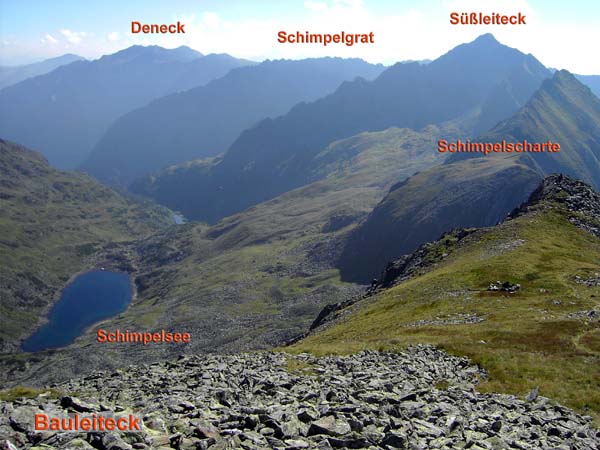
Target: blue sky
x,y
558,33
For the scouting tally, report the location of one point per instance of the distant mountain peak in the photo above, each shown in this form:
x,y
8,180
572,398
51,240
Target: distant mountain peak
x,y
10,75
486,38
565,88
485,41
66,57
563,76
484,51
154,52
185,47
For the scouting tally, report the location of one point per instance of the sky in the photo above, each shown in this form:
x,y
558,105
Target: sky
x,y
561,34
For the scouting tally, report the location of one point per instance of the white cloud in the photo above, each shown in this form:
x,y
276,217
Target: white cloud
x,y
73,37
114,36
49,39
211,20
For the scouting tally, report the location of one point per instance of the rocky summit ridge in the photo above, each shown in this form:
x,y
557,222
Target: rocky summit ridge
x,y
580,199
421,398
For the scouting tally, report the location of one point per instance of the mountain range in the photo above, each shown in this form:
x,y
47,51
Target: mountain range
x,y
474,85
204,121
303,209
63,113
255,279
475,190
13,74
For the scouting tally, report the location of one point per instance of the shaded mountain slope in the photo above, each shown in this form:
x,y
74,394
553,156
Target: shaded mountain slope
x,y
563,111
13,74
205,121
473,193
476,190
63,113
51,225
544,333
273,156
178,187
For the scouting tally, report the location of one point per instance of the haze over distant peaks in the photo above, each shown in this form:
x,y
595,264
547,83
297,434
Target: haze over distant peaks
x,y
10,75
468,85
592,81
204,121
72,106
154,53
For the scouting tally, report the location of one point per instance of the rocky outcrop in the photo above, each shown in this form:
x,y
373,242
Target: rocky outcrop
x,y
579,198
419,261
420,399
506,286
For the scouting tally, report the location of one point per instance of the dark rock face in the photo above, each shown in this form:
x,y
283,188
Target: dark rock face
x,y
405,267
409,265
258,401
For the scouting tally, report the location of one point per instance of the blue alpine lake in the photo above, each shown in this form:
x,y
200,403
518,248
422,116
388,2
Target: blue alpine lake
x,y
90,298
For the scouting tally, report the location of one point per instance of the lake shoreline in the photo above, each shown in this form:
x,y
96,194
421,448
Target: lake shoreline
x,y
105,296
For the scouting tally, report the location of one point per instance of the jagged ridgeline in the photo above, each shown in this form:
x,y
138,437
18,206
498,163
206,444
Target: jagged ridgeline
x,y
519,298
469,85
51,224
204,121
475,190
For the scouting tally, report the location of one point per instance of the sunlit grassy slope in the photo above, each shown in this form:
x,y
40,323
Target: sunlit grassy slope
x,y
527,339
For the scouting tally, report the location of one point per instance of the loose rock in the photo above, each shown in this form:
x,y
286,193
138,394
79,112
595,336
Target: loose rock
x,y
253,401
